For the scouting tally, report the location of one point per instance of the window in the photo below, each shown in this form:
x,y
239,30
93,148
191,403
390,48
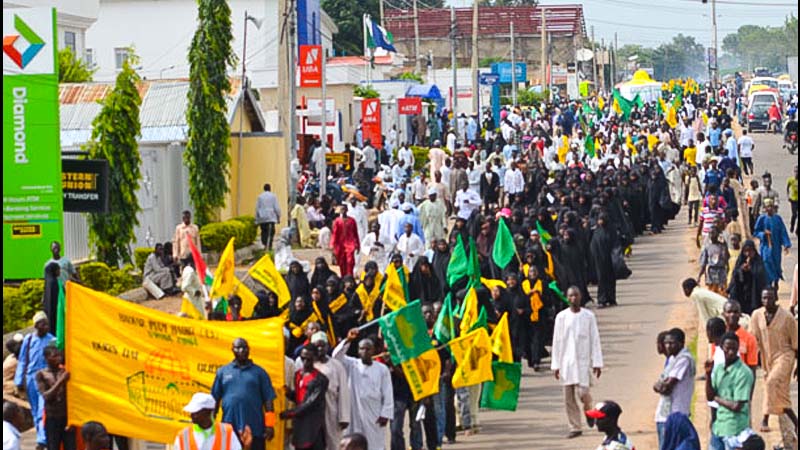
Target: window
x,y
120,55
69,40
88,57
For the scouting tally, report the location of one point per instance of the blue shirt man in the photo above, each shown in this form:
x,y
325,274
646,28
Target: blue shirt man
x,y
409,217
730,146
713,176
31,360
714,136
244,390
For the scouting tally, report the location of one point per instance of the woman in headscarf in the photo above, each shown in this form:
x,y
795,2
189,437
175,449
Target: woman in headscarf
x,y
535,287
367,294
749,278
571,264
321,272
371,269
423,284
518,306
441,259
297,281
604,239
658,197
338,305
300,315
267,305
52,287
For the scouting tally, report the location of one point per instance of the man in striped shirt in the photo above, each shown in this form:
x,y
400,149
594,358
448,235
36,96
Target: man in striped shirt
x,y
711,213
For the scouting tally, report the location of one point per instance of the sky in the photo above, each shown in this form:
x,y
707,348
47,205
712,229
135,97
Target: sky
x,y
653,22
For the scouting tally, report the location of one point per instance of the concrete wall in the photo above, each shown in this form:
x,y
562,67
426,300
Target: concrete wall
x,y
264,160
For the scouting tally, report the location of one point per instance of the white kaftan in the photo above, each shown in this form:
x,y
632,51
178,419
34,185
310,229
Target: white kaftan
x,y
576,346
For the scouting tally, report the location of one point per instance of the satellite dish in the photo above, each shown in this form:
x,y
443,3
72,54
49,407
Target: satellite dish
x,y
584,54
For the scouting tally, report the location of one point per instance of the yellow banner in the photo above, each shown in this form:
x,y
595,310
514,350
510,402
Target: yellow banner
x,y
423,374
473,356
134,368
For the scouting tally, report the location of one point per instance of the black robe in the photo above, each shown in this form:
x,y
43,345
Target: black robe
x,y
746,285
604,240
571,266
50,297
518,324
308,417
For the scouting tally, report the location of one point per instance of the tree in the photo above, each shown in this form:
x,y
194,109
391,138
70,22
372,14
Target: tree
x,y
366,92
72,69
411,76
206,154
678,59
350,38
753,46
114,134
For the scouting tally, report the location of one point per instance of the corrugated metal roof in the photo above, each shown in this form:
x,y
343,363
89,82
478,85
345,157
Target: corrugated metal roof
x,y
162,114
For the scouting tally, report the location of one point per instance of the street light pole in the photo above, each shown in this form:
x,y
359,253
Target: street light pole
x,y
243,92
715,72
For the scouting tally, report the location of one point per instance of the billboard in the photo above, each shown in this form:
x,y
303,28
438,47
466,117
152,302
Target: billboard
x,y
32,198
409,105
84,183
371,121
310,62
504,70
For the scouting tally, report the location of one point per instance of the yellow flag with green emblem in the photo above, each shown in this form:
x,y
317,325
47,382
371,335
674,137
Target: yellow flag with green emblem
x,y
225,276
422,374
473,357
265,272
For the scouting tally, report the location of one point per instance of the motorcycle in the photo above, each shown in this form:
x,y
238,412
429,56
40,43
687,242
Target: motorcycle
x,y
791,143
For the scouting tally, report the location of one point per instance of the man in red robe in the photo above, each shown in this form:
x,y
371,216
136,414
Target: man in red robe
x,y
344,242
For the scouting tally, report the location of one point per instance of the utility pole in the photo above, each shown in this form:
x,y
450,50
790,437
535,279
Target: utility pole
x,y
594,63
417,66
715,72
286,85
544,51
513,68
603,63
323,177
380,11
454,63
474,62
616,62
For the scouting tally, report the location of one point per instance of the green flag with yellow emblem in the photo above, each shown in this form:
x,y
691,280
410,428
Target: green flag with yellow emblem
x,y
405,332
503,392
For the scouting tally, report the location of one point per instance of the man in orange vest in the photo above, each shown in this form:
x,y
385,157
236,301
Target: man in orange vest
x,y
204,434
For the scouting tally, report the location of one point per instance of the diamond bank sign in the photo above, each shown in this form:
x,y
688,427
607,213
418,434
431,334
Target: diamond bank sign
x,y
26,32
310,65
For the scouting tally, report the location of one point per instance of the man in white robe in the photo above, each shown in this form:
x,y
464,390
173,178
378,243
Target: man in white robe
x,y
410,246
433,216
377,247
389,220
356,210
371,391
576,353
337,397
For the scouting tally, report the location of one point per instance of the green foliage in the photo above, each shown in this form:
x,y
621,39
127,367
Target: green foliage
x,y
346,14
529,98
20,304
681,57
420,156
250,231
140,255
753,46
206,156
215,235
100,277
114,134
411,76
365,92
486,62
72,69
96,275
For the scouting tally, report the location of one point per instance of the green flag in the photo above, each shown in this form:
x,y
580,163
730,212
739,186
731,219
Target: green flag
x,y
554,287
677,102
588,143
443,329
61,318
504,249
544,235
474,266
405,332
222,306
503,391
482,322
638,101
458,266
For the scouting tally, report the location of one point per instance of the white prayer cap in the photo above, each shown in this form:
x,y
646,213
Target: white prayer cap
x,y
39,316
199,402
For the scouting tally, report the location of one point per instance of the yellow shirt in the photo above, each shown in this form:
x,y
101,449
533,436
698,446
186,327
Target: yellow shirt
x,y
690,155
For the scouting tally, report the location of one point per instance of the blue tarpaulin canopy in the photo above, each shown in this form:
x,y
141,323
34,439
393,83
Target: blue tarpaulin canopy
x,y
427,91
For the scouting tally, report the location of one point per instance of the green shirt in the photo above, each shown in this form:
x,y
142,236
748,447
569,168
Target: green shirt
x,y
791,186
732,383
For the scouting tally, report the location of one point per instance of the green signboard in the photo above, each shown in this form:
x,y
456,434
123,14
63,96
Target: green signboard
x,y
32,198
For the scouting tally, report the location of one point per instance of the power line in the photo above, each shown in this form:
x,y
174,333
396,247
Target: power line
x,y
653,27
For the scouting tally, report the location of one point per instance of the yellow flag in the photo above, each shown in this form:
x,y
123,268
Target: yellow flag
x,y
501,340
563,149
423,374
672,117
663,105
601,103
473,356
652,140
615,106
224,276
629,144
470,312
394,293
265,272
134,368
490,283
704,116
249,299
188,308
